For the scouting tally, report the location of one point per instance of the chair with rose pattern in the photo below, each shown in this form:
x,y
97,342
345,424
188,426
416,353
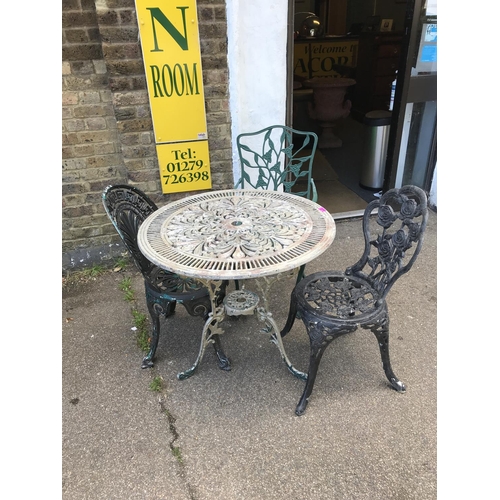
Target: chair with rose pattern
x,y
334,303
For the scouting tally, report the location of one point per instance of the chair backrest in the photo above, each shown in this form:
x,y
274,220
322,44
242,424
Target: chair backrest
x,y
276,158
393,238
128,207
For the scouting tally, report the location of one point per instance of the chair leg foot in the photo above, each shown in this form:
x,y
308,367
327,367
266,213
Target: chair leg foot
x,y
224,363
301,407
397,384
147,362
223,360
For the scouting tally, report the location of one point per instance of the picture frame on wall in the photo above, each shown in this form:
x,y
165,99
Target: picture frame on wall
x,y
386,25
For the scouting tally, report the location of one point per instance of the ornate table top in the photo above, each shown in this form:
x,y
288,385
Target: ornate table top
x,y
236,234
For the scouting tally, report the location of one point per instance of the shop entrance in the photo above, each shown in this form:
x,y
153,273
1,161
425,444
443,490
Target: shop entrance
x,y
369,42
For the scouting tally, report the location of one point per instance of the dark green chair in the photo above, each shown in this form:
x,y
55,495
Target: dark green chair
x,y
127,207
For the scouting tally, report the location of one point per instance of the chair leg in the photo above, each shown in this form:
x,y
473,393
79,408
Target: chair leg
x,y
320,337
381,331
317,350
300,274
292,314
224,363
155,311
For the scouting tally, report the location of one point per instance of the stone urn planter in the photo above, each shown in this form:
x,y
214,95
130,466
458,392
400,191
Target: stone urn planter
x,y
329,105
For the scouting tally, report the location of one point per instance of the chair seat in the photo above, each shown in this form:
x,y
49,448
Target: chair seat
x,y
335,296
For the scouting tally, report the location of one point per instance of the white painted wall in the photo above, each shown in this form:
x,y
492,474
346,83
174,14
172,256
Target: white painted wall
x,y
257,37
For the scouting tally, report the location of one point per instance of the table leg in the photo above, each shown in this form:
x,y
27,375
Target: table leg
x,y
264,285
210,328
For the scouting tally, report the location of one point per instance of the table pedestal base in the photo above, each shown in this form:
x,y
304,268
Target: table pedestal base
x,y
212,326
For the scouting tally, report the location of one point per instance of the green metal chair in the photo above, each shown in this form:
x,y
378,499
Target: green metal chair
x,y
278,157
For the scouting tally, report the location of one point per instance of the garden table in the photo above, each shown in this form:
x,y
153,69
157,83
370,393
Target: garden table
x,y
237,234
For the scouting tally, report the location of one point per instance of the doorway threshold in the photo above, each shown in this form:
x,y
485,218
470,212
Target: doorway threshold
x,y
348,215
352,214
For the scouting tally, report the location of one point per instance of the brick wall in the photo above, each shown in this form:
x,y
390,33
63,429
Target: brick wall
x,y
107,127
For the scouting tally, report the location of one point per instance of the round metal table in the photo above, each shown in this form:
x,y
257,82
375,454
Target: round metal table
x,y
236,234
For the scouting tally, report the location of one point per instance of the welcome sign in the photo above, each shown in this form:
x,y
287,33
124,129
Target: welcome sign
x,y
172,60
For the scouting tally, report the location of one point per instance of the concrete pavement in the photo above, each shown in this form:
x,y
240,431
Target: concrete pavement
x,y
234,435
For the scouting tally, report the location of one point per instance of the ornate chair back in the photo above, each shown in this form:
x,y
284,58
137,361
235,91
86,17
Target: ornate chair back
x,y
276,158
393,239
127,208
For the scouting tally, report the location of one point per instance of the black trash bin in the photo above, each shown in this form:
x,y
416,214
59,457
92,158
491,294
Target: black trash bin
x,y
377,125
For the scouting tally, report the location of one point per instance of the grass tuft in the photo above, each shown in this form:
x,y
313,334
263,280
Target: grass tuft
x,y
156,384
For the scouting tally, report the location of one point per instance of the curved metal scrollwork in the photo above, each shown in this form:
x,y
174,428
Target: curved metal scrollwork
x,y
340,297
238,228
127,207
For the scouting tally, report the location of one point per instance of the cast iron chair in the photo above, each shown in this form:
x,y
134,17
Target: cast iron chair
x,y
275,158
332,303
128,207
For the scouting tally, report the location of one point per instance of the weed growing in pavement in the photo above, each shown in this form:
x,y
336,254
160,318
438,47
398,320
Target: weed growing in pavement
x,y
156,384
121,263
84,276
140,319
176,452
126,288
141,322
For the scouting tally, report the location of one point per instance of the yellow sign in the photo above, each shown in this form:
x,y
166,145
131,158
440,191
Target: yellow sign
x,y
184,166
171,51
